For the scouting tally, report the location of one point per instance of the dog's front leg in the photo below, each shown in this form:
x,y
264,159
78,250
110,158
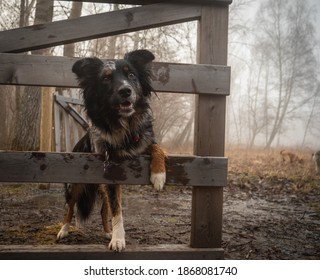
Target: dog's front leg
x,y
64,231
117,242
158,167
105,210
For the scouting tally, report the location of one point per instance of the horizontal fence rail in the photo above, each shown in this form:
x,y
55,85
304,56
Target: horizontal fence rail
x,y
100,252
37,70
41,167
96,26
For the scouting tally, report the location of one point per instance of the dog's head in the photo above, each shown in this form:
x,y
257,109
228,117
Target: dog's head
x,y
114,89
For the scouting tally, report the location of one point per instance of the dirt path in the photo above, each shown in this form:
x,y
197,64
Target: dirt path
x,y
258,223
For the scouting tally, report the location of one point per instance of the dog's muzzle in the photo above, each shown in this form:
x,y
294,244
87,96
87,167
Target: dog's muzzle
x,y
127,100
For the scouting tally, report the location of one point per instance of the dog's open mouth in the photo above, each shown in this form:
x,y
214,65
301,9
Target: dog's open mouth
x,y
126,107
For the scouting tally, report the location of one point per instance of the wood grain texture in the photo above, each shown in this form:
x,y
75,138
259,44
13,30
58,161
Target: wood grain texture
x,y
64,104
207,203
100,252
95,26
20,69
46,119
89,168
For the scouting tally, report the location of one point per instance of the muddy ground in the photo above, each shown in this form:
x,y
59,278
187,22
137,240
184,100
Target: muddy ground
x,y
261,220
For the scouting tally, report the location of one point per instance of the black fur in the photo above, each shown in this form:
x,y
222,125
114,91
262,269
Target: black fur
x,y
87,192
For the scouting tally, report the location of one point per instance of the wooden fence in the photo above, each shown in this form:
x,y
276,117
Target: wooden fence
x,y
209,80
70,122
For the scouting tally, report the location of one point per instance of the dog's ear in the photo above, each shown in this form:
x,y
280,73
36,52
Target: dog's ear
x,y
140,58
87,69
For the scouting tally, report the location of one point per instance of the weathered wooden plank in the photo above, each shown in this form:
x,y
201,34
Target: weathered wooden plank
x,y
20,69
46,119
57,126
67,134
89,168
191,78
67,99
72,112
95,26
146,2
207,203
100,252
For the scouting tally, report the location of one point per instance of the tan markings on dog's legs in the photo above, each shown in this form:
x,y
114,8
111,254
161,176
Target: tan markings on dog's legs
x,y
158,167
117,242
105,211
67,219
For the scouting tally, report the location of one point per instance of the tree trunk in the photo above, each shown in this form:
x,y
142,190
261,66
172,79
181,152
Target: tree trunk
x,y
7,115
28,99
311,115
69,49
26,132
8,93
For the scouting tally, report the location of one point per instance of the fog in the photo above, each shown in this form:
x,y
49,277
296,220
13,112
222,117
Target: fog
x,y
274,55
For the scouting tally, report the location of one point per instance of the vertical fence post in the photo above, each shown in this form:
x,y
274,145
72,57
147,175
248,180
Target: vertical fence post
x,y
57,127
46,123
206,229
46,119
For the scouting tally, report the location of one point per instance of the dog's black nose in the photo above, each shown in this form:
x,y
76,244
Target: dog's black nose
x,y
125,92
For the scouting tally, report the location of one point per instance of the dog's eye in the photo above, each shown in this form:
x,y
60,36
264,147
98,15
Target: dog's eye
x,y
131,75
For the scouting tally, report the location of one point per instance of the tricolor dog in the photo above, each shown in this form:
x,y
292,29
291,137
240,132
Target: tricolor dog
x,y
116,95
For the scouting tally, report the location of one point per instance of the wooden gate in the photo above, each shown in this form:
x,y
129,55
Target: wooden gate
x,y
68,120
209,80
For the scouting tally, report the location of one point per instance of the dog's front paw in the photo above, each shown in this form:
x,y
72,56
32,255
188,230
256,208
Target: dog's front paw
x,y
117,245
158,180
118,242
64,231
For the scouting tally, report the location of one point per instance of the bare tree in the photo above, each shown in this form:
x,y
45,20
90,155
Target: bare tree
x,y
312,120
15,15
239,42
7,109
256,121
173,119
28,99
287,35
69,49
273,70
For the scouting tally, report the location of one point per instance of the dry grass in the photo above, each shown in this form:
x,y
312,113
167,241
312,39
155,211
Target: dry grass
x,y
260,166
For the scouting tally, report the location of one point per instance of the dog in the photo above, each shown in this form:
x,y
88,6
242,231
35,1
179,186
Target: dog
x,y
116,96
316,159
291,157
